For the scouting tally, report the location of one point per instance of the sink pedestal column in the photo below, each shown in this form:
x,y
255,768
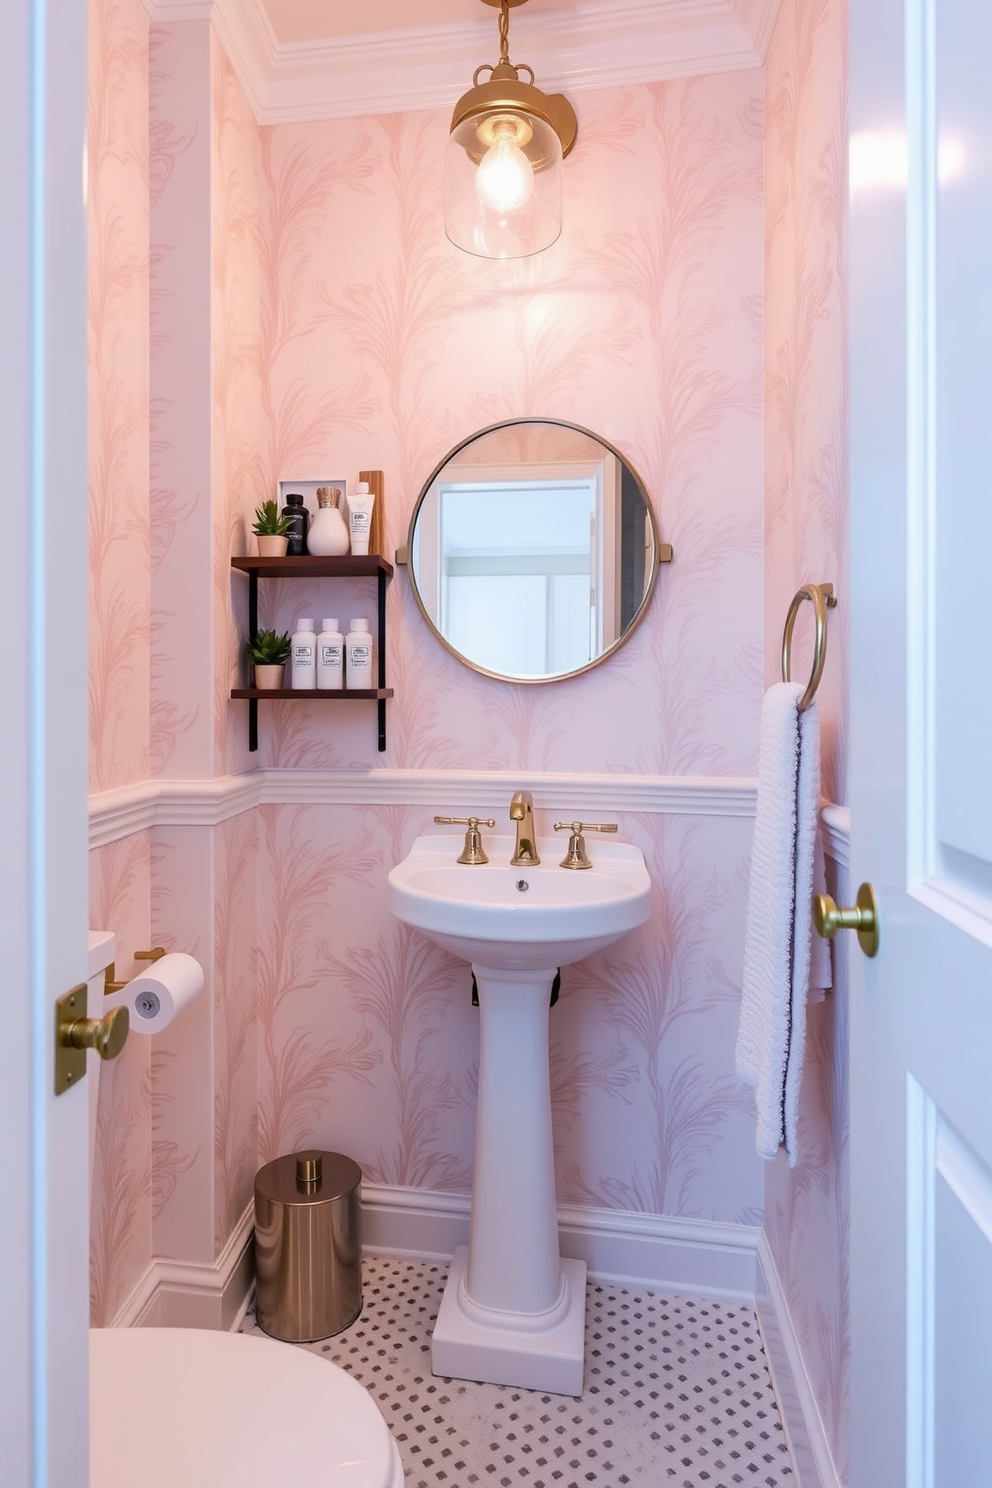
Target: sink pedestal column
x,y
513,1313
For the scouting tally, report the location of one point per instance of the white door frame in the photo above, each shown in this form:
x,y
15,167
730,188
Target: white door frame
x,y
44,1238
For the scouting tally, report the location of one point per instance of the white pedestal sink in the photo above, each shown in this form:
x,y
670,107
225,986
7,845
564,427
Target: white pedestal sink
x,y
513,1312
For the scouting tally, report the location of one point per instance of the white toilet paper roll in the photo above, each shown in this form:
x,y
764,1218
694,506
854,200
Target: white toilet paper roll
x,y
154,998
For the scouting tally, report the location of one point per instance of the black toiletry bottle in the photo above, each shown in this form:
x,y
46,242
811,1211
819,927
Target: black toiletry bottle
x,y
298,517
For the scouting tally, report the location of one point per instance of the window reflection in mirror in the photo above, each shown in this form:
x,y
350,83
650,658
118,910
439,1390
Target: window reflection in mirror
x,y
533,550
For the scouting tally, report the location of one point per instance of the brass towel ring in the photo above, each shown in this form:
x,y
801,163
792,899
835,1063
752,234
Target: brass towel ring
x,y
820,596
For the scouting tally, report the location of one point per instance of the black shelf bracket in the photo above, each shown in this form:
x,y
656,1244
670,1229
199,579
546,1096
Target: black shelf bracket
x,y
351,566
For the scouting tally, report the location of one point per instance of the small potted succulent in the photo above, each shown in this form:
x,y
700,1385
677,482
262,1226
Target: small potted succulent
x,y
269,652
271,530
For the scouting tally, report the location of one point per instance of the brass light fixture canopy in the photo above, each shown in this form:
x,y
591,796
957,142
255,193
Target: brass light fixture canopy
x,y
503,170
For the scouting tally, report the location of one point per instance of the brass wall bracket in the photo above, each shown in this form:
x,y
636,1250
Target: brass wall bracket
x,y
111,985
75,1033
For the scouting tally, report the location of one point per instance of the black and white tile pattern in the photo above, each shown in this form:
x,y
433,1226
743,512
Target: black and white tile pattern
x,y
677,1395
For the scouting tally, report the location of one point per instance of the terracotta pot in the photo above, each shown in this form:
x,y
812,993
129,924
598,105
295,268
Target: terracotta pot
x,y
270,546
269,678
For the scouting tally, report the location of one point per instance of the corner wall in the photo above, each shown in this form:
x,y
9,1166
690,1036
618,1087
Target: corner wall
x,y
806,480
173,407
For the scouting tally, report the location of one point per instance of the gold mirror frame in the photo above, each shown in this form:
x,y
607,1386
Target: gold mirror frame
x,y
662,552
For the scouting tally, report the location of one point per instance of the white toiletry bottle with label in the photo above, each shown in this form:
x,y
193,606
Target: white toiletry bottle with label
x,y
304,657
358,654
330,657
360,504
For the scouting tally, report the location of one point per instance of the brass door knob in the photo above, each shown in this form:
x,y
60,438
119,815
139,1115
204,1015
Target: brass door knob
x,y
75,1033
107,1035
829,918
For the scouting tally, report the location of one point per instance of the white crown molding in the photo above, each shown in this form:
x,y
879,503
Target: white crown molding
x,y
206,803
605,43
164,11
804,1428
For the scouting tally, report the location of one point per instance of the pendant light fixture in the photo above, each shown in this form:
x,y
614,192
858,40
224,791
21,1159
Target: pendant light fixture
x,y
502,175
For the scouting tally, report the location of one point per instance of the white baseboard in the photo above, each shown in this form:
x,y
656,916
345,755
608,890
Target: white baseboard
x,y
811,1455
681,1256
190,1294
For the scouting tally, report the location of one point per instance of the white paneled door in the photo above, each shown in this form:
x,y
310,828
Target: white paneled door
x,y
921,708
44,1239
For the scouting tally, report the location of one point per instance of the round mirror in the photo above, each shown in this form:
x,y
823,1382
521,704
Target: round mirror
x,y
533,550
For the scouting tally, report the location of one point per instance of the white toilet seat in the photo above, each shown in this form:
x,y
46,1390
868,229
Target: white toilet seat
x,y
188,1408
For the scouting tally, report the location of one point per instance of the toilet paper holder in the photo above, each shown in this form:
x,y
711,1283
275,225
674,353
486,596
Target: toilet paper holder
x,y
110,985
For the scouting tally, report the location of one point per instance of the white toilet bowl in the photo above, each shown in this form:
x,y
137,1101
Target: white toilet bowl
x,y
187,1408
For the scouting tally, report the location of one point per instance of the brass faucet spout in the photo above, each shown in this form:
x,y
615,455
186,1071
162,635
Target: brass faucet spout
x,y
522,812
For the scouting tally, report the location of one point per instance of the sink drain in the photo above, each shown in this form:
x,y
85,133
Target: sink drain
x,y
522,886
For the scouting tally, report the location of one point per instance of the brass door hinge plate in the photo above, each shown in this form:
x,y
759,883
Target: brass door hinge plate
x,y
70,1063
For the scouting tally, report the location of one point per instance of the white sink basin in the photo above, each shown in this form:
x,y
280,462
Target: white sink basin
x,y
520,918
513,1312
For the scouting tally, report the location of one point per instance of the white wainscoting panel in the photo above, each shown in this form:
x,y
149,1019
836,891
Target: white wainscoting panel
x,y
197,803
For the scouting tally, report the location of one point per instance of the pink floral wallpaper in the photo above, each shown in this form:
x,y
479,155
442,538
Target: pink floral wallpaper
x,y
369,1042
237,483
383,345
279,302
117,393
806,1209
121,1221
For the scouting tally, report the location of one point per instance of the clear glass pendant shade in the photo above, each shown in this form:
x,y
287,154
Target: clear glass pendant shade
x,y
502,185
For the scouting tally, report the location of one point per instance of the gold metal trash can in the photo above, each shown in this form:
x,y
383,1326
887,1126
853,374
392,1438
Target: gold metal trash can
x,y
308,1245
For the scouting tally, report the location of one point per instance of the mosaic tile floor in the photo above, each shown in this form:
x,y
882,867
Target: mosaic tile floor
x,y
677,1395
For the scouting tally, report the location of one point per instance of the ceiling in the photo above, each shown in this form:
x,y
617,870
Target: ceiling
x,y
326,59
317,20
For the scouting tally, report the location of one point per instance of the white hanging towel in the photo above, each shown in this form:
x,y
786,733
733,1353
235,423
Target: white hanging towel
x,y
771,1041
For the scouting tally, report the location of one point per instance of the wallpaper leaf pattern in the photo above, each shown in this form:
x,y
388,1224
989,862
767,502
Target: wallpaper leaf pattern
x,y
121,1185
345,333
295,1069
806,526
117,394
236,1004
647,987
237,476
403,986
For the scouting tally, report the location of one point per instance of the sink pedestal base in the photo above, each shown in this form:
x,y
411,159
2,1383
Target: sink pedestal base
x,y
473,1343
513,1312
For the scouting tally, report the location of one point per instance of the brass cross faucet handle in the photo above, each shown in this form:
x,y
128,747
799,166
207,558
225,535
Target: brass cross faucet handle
x,y
472,852
577,857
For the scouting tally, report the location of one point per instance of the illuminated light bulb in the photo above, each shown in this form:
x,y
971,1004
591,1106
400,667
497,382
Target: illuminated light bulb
x,y
505,178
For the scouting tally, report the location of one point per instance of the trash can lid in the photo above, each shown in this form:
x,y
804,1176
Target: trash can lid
x,y
308,1177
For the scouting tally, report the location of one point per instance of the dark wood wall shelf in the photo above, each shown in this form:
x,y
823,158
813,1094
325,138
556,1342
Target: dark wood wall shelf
x,y
351,566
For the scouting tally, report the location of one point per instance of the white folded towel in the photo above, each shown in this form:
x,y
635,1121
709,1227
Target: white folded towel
x,y
771,1039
